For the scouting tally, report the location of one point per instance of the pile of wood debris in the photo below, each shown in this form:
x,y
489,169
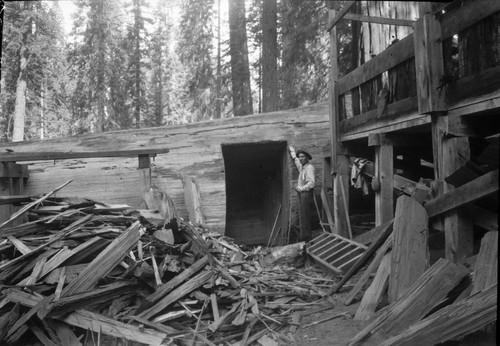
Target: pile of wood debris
x,y
80,270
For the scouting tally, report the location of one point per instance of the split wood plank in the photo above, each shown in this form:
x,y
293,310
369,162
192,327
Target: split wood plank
x,y
385,230
368,272
176,281
274,226
465,194
101,324
19,245
374,293
410,254
486,267
178,293
31,205
451,322
37,270
418,300
192,197
8,269
109,258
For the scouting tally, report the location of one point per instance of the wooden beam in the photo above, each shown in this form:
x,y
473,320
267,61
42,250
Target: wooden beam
x,y
465,14
392,56
463,195
449,154
63,155
482,217
384,172
429,65
473,87
379,20
340,15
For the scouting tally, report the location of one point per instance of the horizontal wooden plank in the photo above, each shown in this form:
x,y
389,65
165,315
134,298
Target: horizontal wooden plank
x,y
465,14
473,87
402,111
392,56
465,194
379,20
63,155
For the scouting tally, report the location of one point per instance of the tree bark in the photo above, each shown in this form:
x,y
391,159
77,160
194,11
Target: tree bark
x,y
19,116
238,49
270,92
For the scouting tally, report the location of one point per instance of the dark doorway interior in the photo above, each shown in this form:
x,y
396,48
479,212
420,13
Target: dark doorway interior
x,y
256,186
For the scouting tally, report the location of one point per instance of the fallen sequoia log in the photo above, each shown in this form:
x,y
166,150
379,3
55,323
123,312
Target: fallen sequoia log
x,y
80,269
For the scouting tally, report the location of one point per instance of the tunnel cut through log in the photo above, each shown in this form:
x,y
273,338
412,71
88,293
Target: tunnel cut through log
x,y
257,183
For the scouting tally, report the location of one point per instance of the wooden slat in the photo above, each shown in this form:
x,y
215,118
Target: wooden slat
x,y
63,155
379,20
452,322
13,170
465,14
392,56
462,195
368,272
385,231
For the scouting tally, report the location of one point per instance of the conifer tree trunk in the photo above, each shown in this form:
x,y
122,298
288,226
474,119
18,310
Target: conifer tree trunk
x,y
240,71
20,105
270,93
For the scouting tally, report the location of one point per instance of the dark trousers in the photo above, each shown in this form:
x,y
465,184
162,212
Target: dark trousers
x,y
305,201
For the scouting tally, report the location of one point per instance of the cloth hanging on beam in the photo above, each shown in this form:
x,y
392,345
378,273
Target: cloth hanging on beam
x,y
358,179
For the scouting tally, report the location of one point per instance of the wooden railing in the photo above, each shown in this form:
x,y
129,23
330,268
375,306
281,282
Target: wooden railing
x,y
452,56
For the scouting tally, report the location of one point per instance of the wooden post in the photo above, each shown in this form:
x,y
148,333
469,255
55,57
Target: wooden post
x,y
144,173
383,179
12,177
449,155
429,65
341,204
339,163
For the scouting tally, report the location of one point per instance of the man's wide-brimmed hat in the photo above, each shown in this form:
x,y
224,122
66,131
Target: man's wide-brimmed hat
x,y
309,157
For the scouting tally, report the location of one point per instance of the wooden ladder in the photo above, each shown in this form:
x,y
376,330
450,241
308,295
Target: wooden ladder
x,y
335,252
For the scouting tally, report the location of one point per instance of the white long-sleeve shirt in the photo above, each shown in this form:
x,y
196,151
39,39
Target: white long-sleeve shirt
x,y
306,175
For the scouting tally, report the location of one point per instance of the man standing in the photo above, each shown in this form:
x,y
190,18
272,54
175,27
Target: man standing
x,y
304,189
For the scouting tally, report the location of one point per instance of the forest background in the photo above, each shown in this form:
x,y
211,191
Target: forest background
x,y
146,63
